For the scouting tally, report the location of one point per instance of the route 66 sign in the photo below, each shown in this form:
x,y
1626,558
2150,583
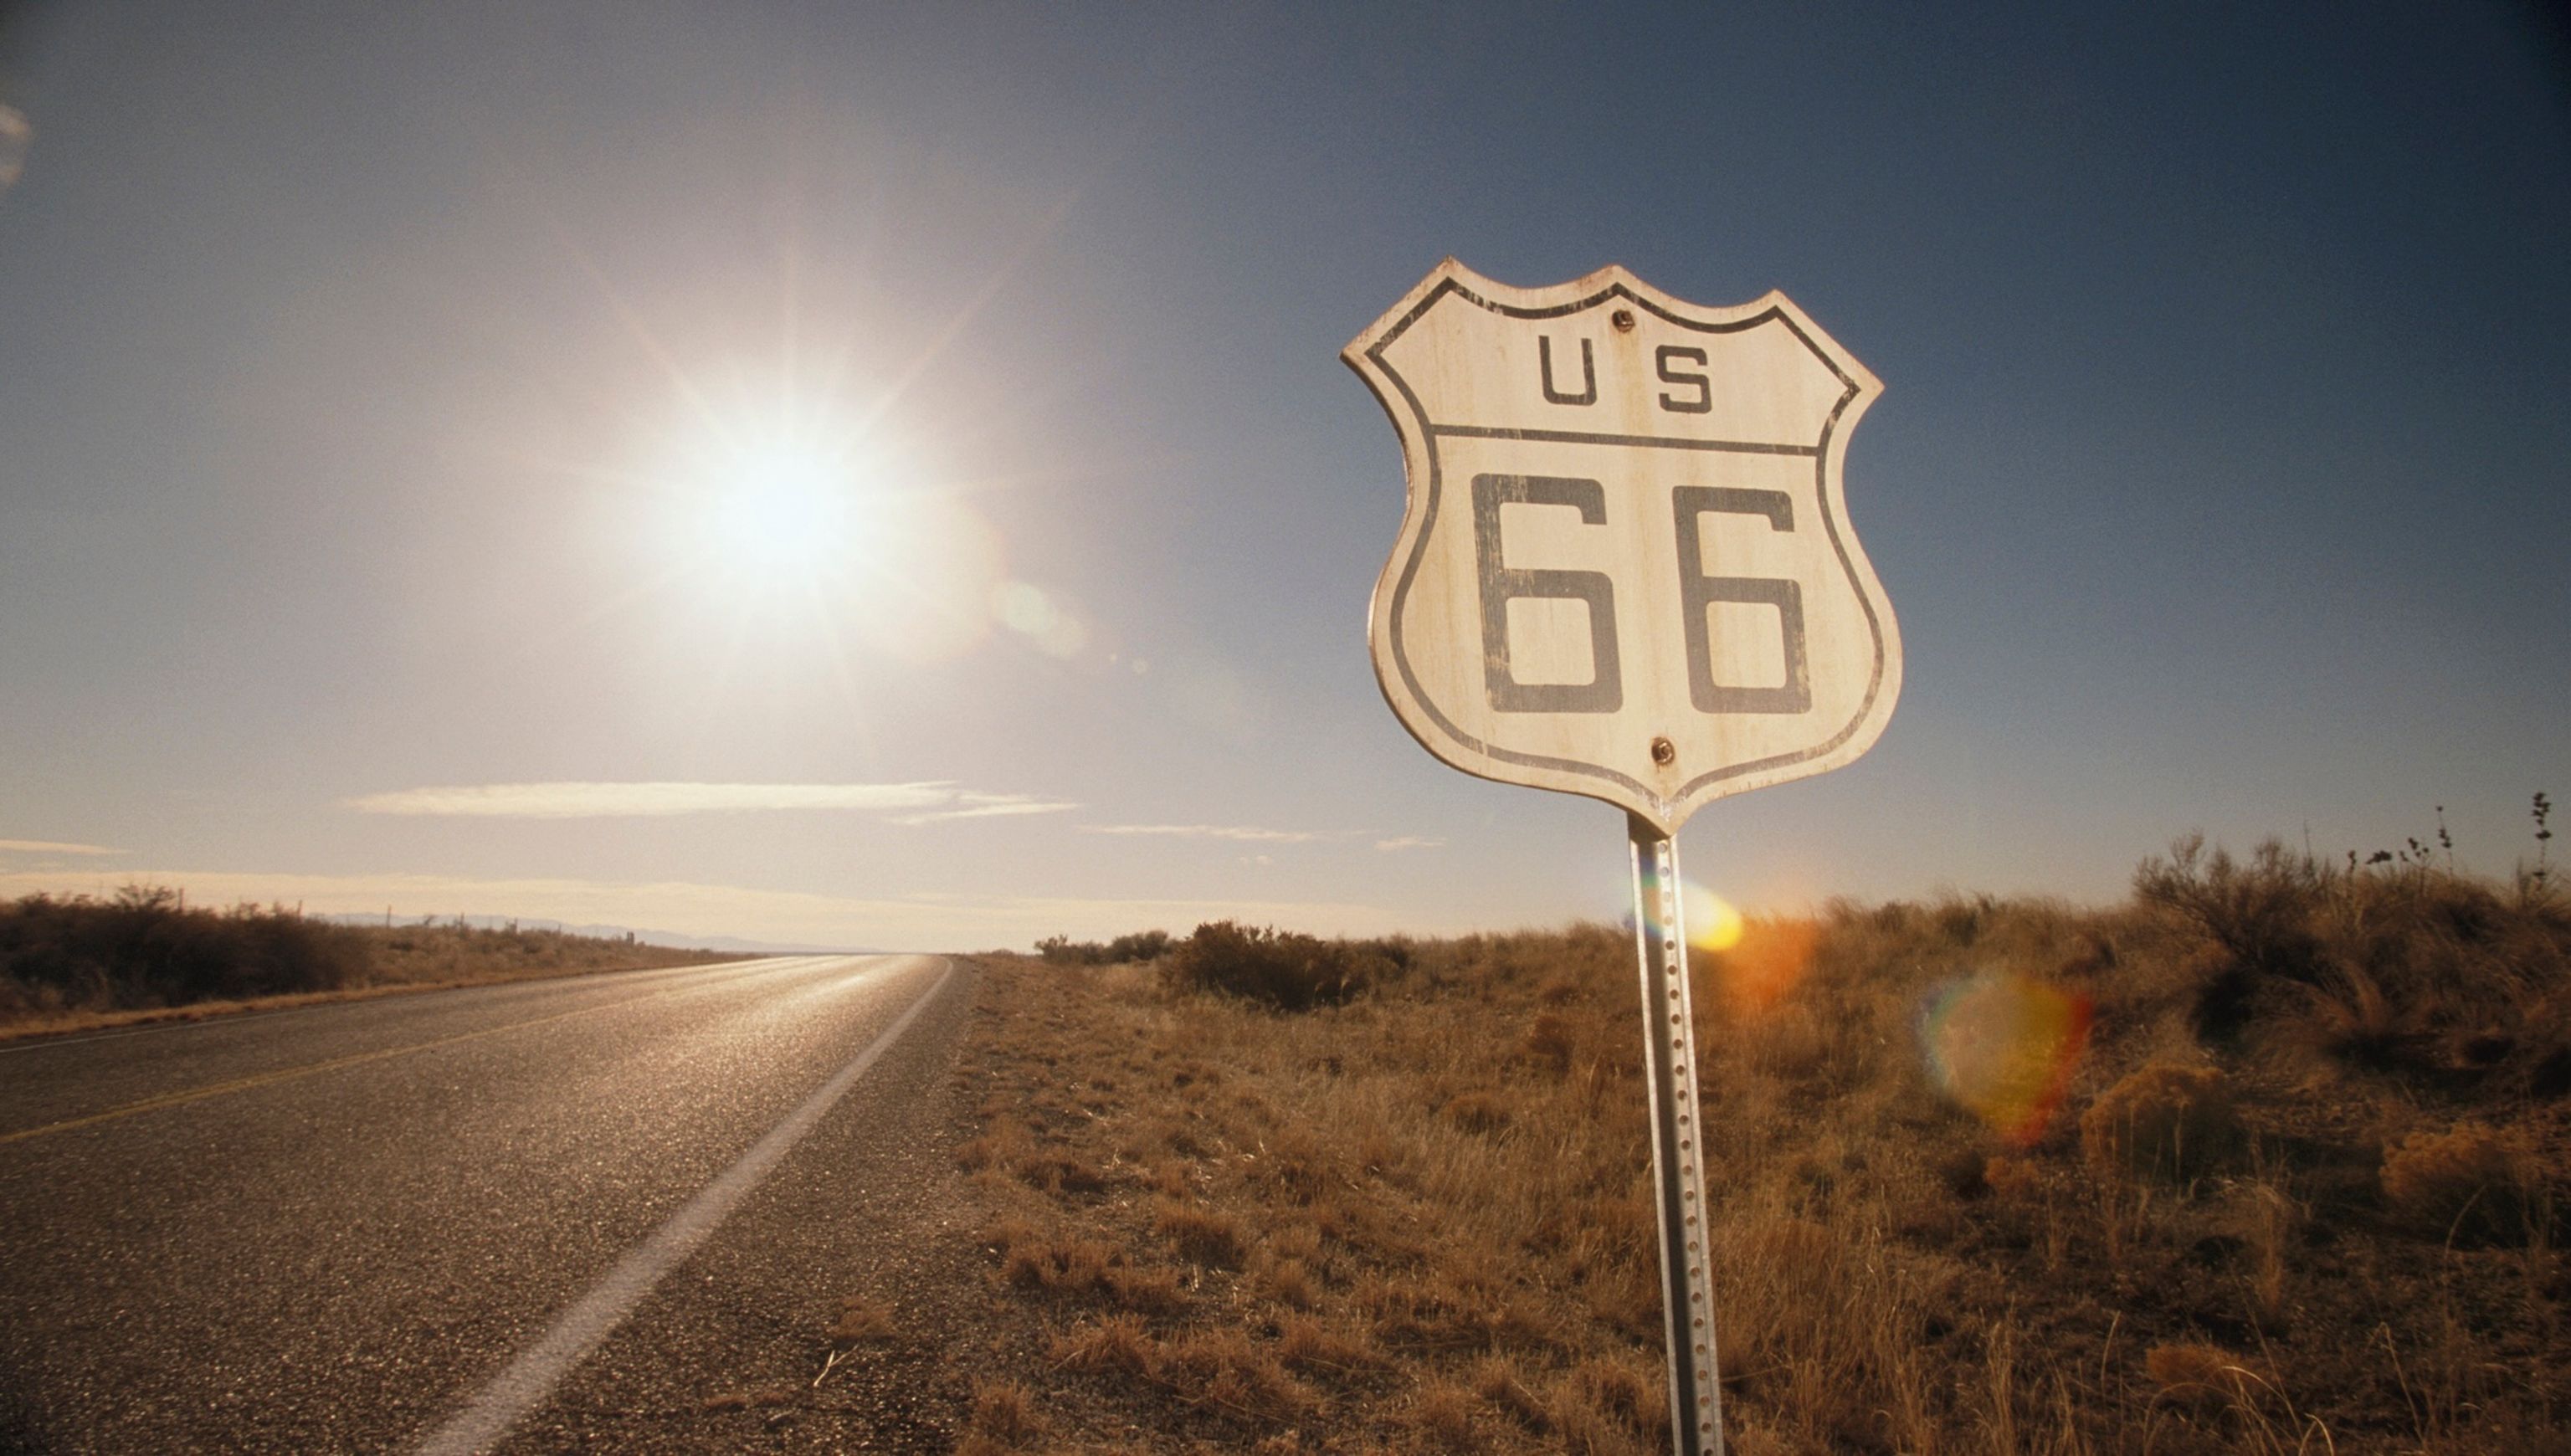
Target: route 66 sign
x,y
1626,569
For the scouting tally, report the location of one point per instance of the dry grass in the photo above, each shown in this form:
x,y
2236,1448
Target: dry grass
x,y
2167,1121
2269,1214
863,1319
2470,1183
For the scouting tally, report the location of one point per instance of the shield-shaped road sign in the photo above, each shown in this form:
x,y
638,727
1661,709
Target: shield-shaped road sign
x,y
1626,569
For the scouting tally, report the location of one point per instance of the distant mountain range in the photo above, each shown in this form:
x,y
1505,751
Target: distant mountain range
x,y
726,943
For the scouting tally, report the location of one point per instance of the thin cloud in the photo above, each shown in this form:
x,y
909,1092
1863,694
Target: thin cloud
x,y
1238,833
577,801
990,806
1408,841
46,847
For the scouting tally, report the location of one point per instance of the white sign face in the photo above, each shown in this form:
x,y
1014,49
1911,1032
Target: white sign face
x,y
1626,569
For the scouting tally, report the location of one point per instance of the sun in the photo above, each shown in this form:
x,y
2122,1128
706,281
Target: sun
x,y
783,505
768,495
797,518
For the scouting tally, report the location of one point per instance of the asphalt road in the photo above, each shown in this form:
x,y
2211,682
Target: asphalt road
x,y
551,1216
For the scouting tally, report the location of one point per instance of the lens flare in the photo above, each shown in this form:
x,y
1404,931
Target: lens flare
x,y
926,593
1764,962
1027,610
2004,1047
1711,923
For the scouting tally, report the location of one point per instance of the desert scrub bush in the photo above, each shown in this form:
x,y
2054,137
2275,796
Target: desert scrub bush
x,y
1204,1236
2163,1120
2469,1184
1281,968
1142,945
2258,914
143,947
2257,911
1004,1413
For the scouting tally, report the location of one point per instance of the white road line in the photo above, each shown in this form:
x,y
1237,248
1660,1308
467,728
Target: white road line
x,y
532,1377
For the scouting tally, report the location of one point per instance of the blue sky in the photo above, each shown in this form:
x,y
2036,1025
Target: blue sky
x,y
355,370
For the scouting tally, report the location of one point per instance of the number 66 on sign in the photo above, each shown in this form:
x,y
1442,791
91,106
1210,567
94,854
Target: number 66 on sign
x,y
1626,569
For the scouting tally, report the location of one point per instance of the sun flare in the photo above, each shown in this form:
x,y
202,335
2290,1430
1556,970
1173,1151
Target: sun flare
x,y
783,504
796,517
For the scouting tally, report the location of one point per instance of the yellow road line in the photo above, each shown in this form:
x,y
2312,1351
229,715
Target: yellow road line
x,y
289,1074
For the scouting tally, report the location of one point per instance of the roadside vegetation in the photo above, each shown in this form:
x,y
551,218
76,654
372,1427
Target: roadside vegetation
x,y
77,962
2270,1157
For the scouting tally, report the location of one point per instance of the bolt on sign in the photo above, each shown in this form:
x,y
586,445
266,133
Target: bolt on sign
x,y
1626,571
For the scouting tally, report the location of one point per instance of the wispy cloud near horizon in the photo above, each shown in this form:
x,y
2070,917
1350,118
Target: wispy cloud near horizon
x,y
1408,841
925,802
46,847
1238,833
989,807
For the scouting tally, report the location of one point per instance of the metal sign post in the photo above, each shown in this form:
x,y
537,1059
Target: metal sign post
x,y
1678,1167
1626,571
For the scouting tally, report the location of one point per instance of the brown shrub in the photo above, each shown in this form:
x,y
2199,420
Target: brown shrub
x,y
1434,1314
1146,1291
1288,1282
145,948
1083,1268
1498,1381
862,1319
1206,1235
1308,1344
2470,1183
1054,1173
2352,1018
1442,1415
1117,1344
1005,1413
1064,1264
1476,1112
1287,970
1549,1042
1226,1370
1636,1400
1299,1165
1002,1144
2258,912
2165,1120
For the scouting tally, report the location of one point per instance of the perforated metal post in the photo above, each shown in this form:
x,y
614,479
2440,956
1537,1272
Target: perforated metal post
x,y
1678,1169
